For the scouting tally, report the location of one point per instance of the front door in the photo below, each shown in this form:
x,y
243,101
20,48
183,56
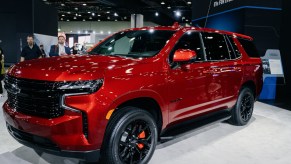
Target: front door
x,y
187,82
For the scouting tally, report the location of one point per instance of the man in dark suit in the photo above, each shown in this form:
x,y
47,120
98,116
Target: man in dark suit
x,y
60,49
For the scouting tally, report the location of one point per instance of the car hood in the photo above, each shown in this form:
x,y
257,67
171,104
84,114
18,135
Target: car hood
x,y
69,68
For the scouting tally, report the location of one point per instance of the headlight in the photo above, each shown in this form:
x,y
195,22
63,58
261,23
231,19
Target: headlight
x,y
89,86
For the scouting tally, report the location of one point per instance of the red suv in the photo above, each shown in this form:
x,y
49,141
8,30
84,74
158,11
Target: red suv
x,y
116,102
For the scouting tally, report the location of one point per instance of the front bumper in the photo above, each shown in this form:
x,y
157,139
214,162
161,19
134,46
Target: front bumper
x,y
45,145
61,136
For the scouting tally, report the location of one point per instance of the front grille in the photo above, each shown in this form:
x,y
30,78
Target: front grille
x,y
33,97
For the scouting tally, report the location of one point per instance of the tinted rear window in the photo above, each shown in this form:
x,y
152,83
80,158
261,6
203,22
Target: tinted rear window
x,y
233,49
215,47
249,47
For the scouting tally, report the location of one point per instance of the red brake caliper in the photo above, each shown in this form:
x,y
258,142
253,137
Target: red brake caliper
x,y
141,136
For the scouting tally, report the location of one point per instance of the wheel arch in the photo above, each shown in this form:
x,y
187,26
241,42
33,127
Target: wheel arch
x,y
147,100
146,103
250,84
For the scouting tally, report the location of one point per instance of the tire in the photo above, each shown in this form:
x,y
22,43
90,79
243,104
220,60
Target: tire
x,y
131,137
242,111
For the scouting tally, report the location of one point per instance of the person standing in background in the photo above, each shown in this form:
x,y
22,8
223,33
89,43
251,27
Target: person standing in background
x,y
2,71
60,49
31,51
42,51
75,49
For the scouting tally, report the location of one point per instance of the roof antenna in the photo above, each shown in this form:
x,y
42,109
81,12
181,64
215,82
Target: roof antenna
x,y
208,13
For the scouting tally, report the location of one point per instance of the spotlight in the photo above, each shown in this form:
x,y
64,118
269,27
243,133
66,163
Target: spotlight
x,y
156,14
178,13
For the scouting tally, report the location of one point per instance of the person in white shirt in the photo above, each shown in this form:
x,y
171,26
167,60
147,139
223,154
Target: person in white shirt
x,y
60,49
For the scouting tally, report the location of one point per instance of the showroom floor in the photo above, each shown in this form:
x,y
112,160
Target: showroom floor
x,y
266,140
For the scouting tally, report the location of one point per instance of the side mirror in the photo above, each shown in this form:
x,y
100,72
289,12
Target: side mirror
x,y
184,55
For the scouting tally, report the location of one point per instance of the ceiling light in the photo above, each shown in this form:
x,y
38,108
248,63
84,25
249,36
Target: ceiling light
x,y
63,15
108,17
84,4
94,32
162,2
76,8
84,20
62,19
75,17
93,14
178,13
109,32
169,7
86,32
189,2
80,15
89,12
125,17
79,32
108,12
71,31
69,12
156,14
115,20
44,0
62,4
90,17
59,29
99,15
101,32
115,14
68,20
99,20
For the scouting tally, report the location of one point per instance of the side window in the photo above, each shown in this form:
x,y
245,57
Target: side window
x,y
233,50
215,47
249,47
192,41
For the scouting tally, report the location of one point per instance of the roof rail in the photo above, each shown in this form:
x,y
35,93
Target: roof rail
x,y
176,25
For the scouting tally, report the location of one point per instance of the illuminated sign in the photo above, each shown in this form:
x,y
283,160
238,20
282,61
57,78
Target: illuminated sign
x,y
221,2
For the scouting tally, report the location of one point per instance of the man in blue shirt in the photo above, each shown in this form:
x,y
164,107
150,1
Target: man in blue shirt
x,y
60,49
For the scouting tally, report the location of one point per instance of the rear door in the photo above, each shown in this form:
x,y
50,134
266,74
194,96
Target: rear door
x,y
225,71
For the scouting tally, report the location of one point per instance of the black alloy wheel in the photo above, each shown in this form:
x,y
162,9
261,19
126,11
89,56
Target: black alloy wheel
x,y
130,138
242,111
246,107
135,142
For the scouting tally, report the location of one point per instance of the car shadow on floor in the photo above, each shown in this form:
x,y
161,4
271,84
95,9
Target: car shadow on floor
x,y
177,135
38,157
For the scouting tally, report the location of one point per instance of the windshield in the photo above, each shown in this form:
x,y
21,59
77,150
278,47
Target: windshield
x,y
135,44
